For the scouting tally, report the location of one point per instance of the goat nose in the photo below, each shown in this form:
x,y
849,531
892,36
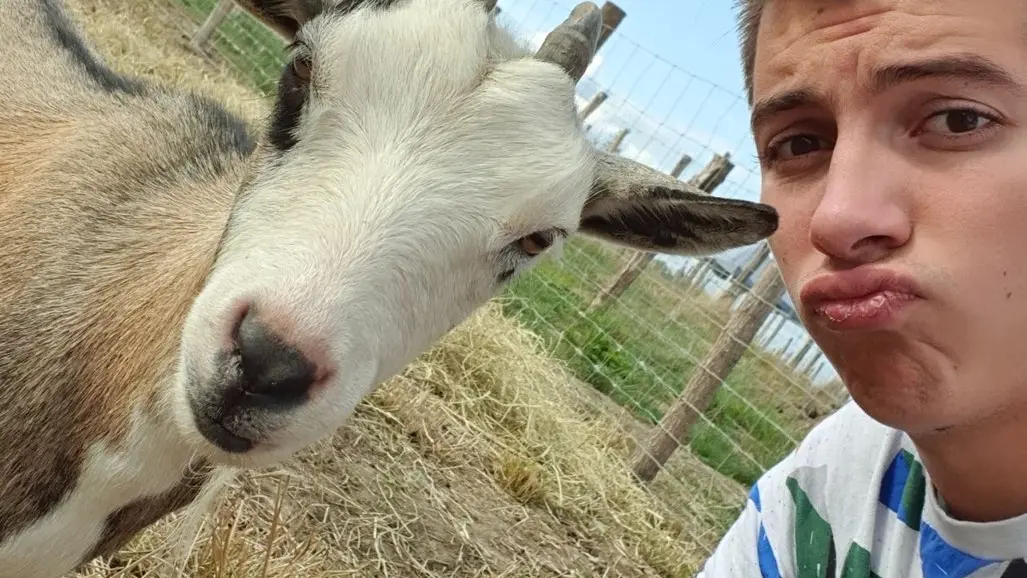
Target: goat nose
x,y
273,371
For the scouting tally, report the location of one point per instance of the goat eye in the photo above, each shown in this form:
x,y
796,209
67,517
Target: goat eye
x,y
534,243
301,68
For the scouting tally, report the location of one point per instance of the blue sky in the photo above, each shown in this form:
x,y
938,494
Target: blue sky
x,y
673,74
674,78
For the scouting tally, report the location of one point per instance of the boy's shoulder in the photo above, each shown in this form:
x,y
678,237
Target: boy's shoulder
x,y
847,456
821,505
846,478
853,499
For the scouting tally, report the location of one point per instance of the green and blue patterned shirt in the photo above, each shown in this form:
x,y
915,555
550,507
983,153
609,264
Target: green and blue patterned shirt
x,y
852,501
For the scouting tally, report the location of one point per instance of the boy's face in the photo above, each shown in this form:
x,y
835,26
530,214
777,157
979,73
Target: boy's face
x,y
893,141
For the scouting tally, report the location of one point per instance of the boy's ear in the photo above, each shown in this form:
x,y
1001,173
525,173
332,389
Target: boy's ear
x,y
634,205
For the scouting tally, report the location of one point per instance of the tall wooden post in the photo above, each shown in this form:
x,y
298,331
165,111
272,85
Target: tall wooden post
x,y
808,368
612,17
714,173
681,165
781,350
755,262
794,363
710,373
595,102
702,263
782,319
614,145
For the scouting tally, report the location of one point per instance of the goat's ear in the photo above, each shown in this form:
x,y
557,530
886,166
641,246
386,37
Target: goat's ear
x,y
283,16
633,205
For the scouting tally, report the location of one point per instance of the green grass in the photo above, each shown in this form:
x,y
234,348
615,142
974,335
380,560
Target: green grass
x,y
248,45
641,349
640,355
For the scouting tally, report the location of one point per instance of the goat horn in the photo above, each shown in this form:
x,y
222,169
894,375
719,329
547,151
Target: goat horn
x,y
572,44
619,175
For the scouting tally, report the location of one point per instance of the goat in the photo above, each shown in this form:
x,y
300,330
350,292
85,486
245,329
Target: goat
x,y
181,294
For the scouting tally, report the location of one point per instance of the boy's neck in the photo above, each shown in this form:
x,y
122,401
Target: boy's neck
x,y
978,470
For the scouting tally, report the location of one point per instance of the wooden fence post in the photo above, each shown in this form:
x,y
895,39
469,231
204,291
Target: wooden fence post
x,y
808,368
820,366
612,17
781,351
217,16
704,276
755,262
700,268
713,174
766,328
614,145
595,102
675,427
782,319
794,363
708,179
681,165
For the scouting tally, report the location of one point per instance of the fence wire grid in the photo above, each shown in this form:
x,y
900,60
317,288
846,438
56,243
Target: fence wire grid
x,y
638,345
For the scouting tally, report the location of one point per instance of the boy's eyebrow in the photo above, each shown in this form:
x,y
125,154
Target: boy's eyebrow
x,y
769,107
969,67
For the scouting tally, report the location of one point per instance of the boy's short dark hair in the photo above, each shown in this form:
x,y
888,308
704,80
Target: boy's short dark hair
x,y
749,12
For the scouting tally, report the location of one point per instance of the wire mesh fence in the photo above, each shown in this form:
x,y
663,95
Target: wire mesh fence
x,y
642,332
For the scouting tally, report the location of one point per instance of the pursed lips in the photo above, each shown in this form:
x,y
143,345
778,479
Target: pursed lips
x,y
860,298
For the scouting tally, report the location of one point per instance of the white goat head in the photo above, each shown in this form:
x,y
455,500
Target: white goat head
x,y
417,158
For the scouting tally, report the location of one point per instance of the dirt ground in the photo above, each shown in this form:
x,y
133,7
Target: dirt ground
x,y
484,458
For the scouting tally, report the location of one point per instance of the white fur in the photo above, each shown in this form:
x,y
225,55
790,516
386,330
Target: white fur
x,y
431,142
380,230
148,464
420,160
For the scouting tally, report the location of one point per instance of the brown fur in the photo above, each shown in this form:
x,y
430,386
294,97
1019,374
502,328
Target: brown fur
x,y
113,197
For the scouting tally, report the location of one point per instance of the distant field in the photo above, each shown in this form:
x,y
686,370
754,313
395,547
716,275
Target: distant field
x,y
642,349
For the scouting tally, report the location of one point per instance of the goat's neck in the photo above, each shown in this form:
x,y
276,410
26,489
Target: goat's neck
x,y
95,290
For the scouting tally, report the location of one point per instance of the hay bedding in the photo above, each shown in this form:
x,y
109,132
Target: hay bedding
x,y
479,460
470,463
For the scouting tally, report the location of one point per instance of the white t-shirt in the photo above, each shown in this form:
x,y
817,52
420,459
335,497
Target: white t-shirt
x,y
850,502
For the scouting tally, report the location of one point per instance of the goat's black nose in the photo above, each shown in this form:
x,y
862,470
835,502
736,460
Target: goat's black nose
x,y
274,373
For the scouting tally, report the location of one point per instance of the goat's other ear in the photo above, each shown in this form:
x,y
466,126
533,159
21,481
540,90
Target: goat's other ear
x,y
283,16
636,206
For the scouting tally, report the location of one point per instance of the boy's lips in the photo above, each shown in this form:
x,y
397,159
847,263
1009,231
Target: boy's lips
x,y
859,298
